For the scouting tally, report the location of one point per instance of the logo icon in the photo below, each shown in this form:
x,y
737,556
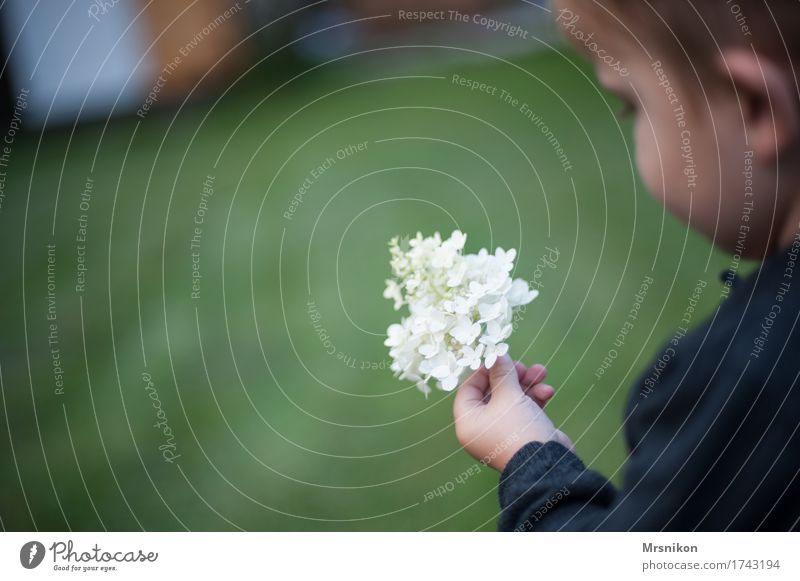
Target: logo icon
x,y
31,554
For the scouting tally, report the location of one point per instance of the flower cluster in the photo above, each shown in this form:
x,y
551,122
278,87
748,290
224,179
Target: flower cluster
x,y
460,306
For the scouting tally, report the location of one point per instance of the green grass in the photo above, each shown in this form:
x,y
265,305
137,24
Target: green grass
x,y
275,432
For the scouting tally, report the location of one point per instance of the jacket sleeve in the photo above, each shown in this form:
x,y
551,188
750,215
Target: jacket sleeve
x,y
545,487
683,452
711,428
676,436
672,438
703,455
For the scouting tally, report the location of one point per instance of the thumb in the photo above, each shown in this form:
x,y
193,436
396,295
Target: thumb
x,y
503,377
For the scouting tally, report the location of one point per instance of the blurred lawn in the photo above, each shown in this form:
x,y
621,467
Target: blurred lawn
x,y
276,428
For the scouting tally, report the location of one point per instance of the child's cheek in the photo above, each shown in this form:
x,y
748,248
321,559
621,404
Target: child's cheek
x,y
648,160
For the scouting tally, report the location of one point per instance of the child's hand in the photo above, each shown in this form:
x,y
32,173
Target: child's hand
x,y
498,411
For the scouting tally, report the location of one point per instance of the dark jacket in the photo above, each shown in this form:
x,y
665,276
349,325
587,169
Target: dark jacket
x,y
712,430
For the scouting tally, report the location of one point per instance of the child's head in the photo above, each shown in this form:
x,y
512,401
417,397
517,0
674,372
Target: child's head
x,y
713,87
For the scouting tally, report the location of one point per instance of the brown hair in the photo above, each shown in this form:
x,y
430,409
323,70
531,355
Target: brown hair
x,y
685,31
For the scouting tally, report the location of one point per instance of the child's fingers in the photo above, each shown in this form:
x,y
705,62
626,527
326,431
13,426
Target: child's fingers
x,y
534,374
521,370
503,377
471,394
540,393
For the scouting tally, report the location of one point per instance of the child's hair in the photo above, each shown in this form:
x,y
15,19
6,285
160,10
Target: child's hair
x,y
694,31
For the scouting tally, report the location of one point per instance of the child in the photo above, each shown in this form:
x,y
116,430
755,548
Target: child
x,y
713,440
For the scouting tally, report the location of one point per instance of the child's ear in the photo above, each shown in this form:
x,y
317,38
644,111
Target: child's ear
x,y
768,99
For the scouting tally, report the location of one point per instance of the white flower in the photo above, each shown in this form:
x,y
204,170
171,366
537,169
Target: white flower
x,y
490,311
465,331
496,332
394,292
493,352
456,274
428,350
471,357
396,334
520,294
460,307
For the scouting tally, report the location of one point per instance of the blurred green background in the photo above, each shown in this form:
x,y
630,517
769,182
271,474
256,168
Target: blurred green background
x,y
283,415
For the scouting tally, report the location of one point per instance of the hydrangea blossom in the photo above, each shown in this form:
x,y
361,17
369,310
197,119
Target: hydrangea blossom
x,y
461,308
